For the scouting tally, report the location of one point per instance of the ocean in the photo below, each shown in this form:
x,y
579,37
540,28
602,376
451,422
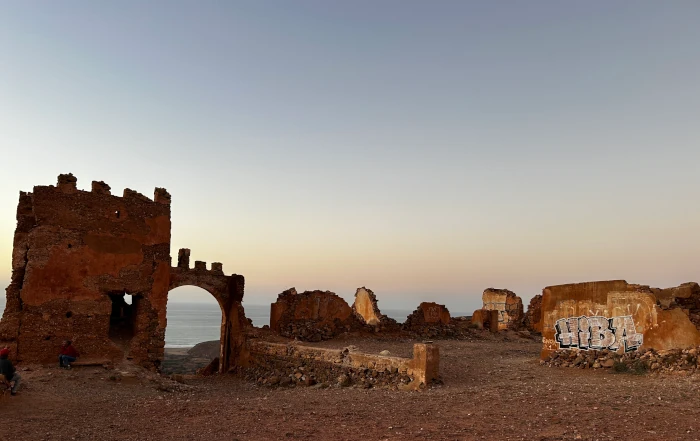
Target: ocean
x,y
192,323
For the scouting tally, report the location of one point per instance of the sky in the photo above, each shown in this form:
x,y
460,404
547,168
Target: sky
x,y
426,150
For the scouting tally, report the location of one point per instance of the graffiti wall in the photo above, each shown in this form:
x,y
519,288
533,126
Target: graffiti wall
x,y
613,315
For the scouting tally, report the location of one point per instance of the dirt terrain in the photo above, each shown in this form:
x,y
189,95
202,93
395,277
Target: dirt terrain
x,y
494,389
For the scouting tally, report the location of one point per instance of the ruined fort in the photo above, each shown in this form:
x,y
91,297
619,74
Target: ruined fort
x,y
96,268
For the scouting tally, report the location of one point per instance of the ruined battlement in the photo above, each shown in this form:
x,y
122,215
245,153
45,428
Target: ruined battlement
x,y
183,262
68,184
221,286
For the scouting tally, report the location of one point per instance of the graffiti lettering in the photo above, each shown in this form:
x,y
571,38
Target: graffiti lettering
x,y
597,333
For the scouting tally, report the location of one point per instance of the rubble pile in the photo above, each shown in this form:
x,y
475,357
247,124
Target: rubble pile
x,y
641,361
430,320
281,373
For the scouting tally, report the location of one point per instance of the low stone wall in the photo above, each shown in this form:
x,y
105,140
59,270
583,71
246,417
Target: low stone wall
x,y
290,364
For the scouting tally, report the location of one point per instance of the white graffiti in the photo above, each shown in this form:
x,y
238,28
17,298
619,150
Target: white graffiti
x,y
598,332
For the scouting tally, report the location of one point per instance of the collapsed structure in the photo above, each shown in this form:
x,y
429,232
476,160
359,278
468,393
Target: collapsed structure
x,y
311,315
79,255
619,317
366,310
508,306
322,315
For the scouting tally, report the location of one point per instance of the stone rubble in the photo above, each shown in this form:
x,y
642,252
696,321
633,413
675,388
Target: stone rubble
x,y
679,361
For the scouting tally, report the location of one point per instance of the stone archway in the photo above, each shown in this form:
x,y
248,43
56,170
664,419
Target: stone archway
x,y
228,292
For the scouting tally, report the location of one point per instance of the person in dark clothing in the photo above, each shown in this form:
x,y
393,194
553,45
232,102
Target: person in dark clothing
x,y
9,371
68,354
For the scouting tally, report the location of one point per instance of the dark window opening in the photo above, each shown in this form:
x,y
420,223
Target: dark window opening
x,y
116,213
69,314
122,320
70,246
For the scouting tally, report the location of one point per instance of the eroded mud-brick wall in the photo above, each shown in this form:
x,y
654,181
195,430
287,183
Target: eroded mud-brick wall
x,y
311,315
75,256
508,305
533,317
617,316
430,320
367,311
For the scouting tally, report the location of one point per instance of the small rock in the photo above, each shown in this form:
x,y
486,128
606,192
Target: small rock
x,y
343,381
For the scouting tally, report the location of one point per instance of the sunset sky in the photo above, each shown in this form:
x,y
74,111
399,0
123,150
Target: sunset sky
x,y
425,149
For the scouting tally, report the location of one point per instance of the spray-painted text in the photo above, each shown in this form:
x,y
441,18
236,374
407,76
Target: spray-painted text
x,y
598,333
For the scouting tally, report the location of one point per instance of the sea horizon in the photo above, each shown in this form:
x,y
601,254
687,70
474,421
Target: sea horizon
x,y
190,323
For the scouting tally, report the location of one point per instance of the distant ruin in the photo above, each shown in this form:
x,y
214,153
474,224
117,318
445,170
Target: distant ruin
x,y
508,305
77,256
366,310
311,315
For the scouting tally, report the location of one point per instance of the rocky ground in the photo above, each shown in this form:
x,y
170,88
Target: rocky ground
x,y
188,360
494,389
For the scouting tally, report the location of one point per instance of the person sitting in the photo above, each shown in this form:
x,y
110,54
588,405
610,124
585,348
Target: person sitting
x,y
8,371
68,354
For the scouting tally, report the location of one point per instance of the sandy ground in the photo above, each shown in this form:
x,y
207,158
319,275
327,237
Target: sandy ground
x,y
493,390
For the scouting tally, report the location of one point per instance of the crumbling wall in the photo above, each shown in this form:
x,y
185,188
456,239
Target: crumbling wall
x,y
485,319
685,296
290,364
366,310
508,305
615,316
430,320
533,316
311,315
75,255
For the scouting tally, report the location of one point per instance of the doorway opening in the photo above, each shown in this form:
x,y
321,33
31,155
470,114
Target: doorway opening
x,y
122,320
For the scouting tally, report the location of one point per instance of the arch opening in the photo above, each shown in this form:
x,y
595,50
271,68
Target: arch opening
x,y
193,331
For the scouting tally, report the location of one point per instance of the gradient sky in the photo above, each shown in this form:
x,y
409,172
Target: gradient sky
x,y
425,149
